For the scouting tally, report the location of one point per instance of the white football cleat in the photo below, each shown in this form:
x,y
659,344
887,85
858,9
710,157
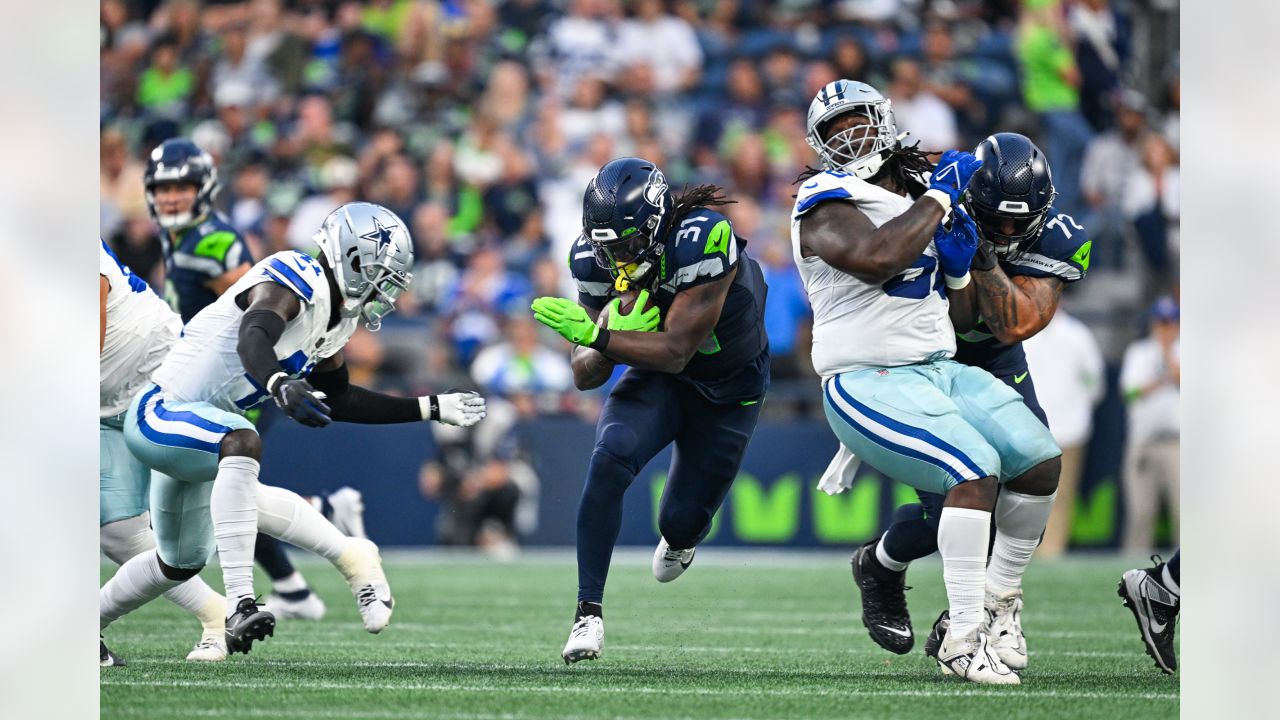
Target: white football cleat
x,y
973,659
1004,627
670,564
348,511
211,648
361,565
309,608
586,640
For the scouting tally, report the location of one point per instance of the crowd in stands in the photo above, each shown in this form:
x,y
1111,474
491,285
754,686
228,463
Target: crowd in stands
x,y
480,122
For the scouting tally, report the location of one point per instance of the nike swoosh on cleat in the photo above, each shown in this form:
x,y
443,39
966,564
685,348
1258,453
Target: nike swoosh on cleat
x,y
895,631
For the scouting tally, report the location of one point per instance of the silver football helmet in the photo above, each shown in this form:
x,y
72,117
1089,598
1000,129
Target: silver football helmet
x,y
370,252
860,150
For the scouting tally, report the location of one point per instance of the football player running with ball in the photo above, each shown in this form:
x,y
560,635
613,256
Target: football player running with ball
x,y
1028,252
699,365
880,266
277,333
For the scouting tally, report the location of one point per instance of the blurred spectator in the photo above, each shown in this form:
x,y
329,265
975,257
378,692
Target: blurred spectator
x,y
1109,161
120,183
578,43
166,86
235,69
1069,376
1050,85
1150,202
520,365
434,271
916,110
666,43
942,77
338,178
1150,379
742,111
397,189
484,293
1101,46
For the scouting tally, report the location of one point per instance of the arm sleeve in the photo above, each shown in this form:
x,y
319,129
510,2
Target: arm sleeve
x,y
259,331
354,404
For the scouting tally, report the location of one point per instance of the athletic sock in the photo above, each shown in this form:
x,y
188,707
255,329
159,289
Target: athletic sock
x,y
1020,521
293,587
234,507
138,581
885,561
288,516
197,598
1170,574
911,535
962,539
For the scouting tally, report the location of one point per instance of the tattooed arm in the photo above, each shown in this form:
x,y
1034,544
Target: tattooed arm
x,y
1015,308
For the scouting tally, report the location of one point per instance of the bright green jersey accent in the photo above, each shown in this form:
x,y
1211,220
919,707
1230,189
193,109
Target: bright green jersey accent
x,y
1081,257
1017,379
718,241
711,345
215,245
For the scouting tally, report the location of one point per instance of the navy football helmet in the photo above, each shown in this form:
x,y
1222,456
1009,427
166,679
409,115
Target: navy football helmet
x,y
1011,194
178,161
625,213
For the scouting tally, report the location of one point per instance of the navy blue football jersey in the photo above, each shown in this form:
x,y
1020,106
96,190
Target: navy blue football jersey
x,y
202,252
1061,251
732,364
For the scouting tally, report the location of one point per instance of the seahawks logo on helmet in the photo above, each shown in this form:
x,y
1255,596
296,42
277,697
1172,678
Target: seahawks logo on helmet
x,y
656,188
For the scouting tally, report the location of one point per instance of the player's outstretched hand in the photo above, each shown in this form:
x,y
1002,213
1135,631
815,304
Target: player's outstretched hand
x,y
957,245
567,318
462,409
952,173
638,320
300,401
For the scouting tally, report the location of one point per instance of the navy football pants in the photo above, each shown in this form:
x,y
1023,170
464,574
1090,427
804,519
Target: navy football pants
x,y
646,412
913,534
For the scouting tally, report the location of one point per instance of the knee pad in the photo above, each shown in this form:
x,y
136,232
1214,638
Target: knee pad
x,y
123,539
618,443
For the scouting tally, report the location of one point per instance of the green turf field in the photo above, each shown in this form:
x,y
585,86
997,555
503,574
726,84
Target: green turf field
x,y
739,636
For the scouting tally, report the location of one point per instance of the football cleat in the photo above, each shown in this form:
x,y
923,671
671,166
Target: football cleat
x,y
348,511
106,658
248,623
971,658
211,648
670,564
1156,610
361,564
310,607
586,639
1004,627
884,601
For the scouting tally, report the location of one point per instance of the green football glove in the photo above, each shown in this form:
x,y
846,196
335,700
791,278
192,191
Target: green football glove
x,y
567,318
638,320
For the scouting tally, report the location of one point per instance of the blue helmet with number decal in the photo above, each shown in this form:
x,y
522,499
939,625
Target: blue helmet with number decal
x,y
178,161
625,213
1011,194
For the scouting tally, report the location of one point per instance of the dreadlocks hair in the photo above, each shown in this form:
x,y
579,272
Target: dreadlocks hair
x,y
688,200
904,166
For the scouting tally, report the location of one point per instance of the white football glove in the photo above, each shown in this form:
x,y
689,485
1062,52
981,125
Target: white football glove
x,y
463,409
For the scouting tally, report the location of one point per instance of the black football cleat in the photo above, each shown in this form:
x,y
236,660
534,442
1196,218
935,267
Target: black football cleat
x,y
1156,610
884,601
246,624
106,658
937,634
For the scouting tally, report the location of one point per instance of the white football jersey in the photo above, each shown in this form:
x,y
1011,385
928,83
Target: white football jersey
x,y
858,325
140,330
204,365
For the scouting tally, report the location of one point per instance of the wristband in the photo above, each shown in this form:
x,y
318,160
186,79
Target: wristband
x,y
943,199
601,341
271,381
429,407
954,283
